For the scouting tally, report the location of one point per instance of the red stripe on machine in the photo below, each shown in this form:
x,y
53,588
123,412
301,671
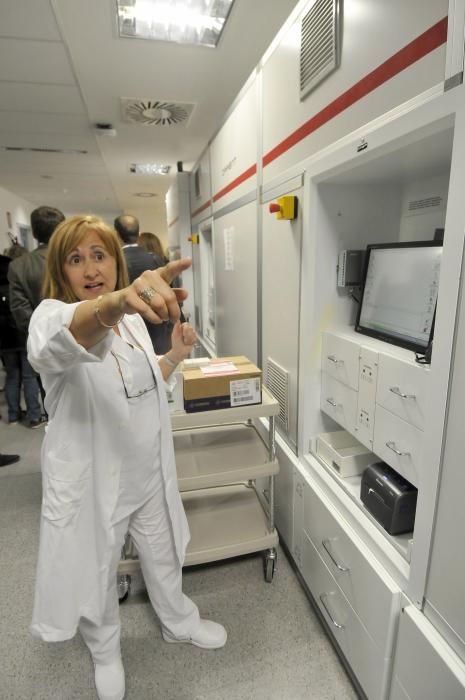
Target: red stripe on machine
x,y
235,183
418,48
204,206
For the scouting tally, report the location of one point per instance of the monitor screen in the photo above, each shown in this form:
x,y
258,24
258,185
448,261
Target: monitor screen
x,y
399,293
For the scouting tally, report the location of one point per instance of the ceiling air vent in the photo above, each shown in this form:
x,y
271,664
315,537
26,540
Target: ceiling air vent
x,y
277,381
156,112
320,44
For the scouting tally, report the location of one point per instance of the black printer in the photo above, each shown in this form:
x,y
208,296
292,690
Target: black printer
x,y
389,497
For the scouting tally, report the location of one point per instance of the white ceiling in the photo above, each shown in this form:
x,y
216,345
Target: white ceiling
x,y
63,68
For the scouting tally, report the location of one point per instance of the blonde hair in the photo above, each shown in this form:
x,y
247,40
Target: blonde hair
x,y
151,243
66,237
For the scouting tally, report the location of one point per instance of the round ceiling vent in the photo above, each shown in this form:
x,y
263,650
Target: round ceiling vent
x,y
156,112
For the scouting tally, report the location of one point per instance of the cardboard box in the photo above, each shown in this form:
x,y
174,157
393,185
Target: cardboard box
x,y
223,382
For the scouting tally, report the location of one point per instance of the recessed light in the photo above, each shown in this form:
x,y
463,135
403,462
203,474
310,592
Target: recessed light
x,y
183,21
144,194
149,169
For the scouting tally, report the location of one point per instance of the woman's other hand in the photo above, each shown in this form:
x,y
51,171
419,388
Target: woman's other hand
x,y
151,296
183,339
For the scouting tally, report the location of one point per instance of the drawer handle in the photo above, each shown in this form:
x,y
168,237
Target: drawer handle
x,y
331,402
323,597
333,358
325,543
395,390
392,446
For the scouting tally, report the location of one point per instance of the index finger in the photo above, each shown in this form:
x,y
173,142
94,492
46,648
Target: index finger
x,y
170,271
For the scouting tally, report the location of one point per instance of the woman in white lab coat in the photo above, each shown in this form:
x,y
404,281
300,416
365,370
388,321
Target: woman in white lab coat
x,y
107,457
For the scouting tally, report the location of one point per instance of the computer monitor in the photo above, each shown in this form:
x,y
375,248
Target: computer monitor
x,y
400,288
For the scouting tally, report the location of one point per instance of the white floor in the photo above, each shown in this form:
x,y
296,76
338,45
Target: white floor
x,y
276,649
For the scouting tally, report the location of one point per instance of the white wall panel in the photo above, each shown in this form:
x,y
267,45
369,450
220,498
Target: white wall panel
x,y
234,151
235,245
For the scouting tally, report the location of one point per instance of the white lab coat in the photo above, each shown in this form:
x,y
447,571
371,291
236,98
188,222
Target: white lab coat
x,y
81,461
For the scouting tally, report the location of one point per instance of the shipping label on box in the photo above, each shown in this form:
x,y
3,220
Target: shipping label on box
x,y
222,383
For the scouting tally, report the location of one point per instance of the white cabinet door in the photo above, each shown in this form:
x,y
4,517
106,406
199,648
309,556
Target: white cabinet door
x,y
369,589
425,667
399,444
364,657
339,402
402,389
340,359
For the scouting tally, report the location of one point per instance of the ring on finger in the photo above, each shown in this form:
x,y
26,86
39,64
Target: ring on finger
x,y
147,294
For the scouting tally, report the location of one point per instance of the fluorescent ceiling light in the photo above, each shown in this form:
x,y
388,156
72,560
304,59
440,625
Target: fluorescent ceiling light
x,y
182,21
144,194
149,169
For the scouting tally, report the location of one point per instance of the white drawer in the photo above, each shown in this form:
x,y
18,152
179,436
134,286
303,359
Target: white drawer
x,y
340,359
339,402
402,389
399,444
371,592
425,666
365,659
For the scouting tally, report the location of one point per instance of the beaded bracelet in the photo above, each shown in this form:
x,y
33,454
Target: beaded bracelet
x,y
170,362
97,315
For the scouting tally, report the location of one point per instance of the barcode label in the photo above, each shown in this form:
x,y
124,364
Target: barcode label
x,y
245,391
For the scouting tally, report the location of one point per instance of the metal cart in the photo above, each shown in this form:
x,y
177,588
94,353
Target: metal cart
x,y
220,455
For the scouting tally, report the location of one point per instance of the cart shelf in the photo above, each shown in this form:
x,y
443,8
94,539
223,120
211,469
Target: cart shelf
x,y
226,522
221,455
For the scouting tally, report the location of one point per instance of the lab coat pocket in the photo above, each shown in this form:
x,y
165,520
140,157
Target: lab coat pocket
x,y
65,483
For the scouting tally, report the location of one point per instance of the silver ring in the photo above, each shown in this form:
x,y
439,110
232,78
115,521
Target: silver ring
x,y
147,294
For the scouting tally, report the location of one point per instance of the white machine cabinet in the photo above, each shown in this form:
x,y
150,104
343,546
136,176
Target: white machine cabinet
x,y
425,667
219,455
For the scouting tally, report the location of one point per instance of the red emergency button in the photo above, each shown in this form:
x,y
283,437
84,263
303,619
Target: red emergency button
x,y
274,208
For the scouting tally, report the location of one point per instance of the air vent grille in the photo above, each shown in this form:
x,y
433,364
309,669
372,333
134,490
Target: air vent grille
x,y
151,112
425,203
320,44
277,381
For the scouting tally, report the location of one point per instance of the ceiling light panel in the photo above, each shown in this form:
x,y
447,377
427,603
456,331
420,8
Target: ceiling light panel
x,y
149,169
198,22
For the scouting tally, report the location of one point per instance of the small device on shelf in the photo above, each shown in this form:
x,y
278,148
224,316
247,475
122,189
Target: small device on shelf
x,y
350,268
389,497
399,293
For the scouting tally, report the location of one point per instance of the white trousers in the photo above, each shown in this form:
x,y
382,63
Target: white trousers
x,y
150,529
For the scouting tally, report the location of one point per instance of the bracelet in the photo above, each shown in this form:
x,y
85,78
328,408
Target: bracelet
x,y
170,362
98,317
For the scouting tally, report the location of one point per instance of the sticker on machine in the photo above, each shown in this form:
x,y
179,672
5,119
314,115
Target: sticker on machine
x,y
245,391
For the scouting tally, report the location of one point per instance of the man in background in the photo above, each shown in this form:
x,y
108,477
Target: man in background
x,y
138,260
25,277
26,274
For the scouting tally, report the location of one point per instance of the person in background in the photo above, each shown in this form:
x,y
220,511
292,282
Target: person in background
x,y
13,353
26,274
138,260
108,458
152,244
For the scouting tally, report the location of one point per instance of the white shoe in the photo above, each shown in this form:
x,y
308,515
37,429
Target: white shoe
x,y
209,635
109,680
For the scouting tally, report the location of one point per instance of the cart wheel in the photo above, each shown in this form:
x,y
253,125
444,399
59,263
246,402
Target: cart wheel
x,y
123,586
269,565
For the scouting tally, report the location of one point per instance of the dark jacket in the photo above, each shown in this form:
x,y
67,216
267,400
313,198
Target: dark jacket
x,y
9,336
138,260
26,275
